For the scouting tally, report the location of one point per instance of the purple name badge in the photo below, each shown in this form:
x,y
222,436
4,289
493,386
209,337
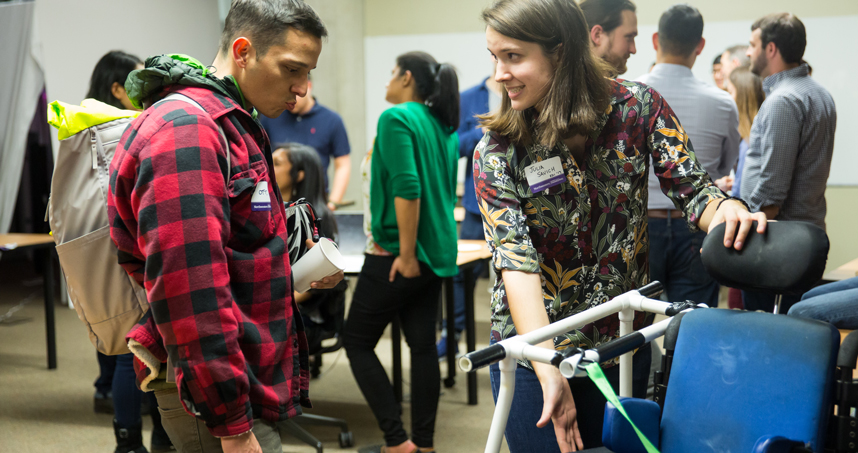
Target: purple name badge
x,y
260,201
545,174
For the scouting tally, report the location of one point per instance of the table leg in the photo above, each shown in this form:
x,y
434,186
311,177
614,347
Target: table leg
x,y
450,307
50,327
396,339
471,330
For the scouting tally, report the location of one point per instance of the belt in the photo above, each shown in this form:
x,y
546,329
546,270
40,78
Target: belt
x,y
664,213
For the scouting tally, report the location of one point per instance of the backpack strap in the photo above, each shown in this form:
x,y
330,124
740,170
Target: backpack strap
x,y
182,97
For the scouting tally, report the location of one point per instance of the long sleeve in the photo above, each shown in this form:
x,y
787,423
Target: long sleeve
x,y
397,150
730,147
173,198
779,127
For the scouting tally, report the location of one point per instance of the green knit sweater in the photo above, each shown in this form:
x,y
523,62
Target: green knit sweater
x,y
415,157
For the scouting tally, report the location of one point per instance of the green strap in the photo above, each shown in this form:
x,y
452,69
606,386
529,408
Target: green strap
x,y
598,377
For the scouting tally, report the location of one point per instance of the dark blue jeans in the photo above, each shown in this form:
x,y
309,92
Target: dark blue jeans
x,y
471,228
674,260
117,375
521,433
836,303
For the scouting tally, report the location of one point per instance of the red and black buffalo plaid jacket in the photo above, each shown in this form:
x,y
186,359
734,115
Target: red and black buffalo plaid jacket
x,y
216,272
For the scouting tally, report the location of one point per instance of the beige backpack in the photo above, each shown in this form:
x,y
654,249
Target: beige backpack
x,y
106,298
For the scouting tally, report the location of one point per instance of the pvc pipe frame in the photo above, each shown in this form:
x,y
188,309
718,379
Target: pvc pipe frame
x,y
520,347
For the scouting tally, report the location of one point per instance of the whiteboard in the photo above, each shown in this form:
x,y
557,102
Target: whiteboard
x,y
830,51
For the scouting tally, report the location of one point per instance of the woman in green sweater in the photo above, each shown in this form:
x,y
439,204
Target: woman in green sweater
x,y
412,195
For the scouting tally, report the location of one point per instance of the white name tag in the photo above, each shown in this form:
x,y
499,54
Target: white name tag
x,y
545,174
260,201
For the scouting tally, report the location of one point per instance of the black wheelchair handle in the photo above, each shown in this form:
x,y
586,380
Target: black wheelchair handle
x,y
653,289
473,361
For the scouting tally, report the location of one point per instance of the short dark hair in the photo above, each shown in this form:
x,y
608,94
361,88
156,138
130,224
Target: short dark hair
x,y
786,31
114,66
265,22
680,30
717,60
607,13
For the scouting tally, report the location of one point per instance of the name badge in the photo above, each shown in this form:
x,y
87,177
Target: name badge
x,y
260,201
545,174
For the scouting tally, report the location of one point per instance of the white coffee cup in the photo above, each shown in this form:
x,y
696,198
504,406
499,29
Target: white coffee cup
x,y
322,260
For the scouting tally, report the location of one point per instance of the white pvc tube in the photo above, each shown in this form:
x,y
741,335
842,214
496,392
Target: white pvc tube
x,y
503,405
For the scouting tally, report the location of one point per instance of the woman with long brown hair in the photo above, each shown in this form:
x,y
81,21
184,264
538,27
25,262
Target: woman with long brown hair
x,y
561,177
747,90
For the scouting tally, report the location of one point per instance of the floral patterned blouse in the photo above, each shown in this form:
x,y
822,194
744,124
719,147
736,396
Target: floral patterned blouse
x,y
587,236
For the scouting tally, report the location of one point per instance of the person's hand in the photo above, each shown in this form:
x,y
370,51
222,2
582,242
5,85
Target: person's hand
x,y
725,183
559,408
332,206
738,222
245,443
407,266
329,281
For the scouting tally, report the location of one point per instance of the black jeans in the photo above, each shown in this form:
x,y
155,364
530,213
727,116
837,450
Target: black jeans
x,y
375,303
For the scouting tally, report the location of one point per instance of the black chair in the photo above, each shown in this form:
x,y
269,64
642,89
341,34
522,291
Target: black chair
x,y
329,306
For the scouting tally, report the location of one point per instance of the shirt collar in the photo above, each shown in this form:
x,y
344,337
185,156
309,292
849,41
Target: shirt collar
x,y
671,70
771,82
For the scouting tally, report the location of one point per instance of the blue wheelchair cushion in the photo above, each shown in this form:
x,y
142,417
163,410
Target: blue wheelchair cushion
x,y
618,434
739,376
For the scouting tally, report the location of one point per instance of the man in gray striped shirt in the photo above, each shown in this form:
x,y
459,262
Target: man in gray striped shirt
x,y
711,120
792,138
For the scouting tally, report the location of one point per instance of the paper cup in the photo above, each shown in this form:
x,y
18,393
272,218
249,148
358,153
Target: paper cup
x,y
322,260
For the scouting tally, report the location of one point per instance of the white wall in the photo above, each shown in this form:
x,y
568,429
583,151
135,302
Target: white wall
x,y
828,39
76,33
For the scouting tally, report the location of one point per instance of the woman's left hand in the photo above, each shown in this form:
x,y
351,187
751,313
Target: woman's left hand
x,y
738,222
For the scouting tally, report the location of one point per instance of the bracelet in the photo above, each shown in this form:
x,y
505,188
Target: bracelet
x,y
745,204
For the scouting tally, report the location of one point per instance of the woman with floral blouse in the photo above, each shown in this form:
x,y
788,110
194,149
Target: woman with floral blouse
x,y
561,177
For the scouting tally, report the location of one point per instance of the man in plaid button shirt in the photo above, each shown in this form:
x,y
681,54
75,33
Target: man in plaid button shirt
x,y
792,138
205,232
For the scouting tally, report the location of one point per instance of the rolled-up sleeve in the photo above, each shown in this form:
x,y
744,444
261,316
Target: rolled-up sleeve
x,y
682,178
396,138
501,208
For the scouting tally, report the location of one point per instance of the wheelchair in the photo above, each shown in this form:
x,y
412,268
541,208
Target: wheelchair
x,y
730,381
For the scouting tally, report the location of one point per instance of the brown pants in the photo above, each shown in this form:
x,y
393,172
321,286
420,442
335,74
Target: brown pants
x,y
190,435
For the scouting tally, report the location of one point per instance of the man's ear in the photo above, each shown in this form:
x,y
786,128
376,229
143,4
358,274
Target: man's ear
x,y
596,35
771,50
700,46
300,176
655,41
117,90
241,51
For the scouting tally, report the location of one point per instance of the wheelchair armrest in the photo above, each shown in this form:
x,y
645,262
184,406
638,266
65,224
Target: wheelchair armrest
x,y
619,436
778,444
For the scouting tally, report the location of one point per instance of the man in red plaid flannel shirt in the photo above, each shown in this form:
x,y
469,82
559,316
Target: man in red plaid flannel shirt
x,y
205,232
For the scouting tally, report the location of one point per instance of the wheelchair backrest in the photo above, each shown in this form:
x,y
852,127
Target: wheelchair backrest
x,y
789,258
740,376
